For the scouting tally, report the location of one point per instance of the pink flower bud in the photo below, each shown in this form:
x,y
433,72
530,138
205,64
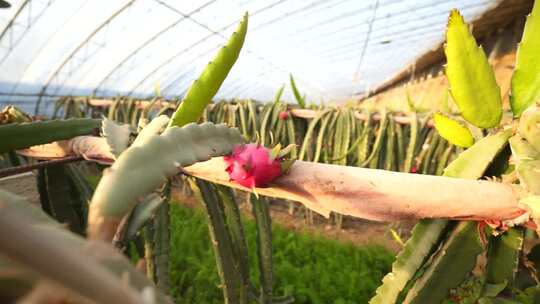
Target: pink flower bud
x,y
251,166
284,115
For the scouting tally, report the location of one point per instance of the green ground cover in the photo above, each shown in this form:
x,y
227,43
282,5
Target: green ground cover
x,y
312,268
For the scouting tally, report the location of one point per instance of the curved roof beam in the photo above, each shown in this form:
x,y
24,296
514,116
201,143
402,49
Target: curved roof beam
x,y
133,54
41,48
366,42
12,21
352,53
183,51
8,40
76,50
212,33
166,88
383,33
302,9
145,44
167,61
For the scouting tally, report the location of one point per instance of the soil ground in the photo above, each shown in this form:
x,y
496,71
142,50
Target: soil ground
x,y
22,184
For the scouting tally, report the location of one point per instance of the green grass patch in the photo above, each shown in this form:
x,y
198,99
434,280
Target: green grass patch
x,y
312,268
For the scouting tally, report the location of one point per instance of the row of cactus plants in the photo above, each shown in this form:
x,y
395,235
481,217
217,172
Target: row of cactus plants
x,y
343,135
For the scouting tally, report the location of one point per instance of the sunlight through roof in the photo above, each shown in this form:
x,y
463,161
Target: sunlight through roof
x,y
334,48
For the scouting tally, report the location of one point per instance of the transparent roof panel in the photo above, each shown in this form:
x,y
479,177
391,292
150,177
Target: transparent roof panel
x,y
334,48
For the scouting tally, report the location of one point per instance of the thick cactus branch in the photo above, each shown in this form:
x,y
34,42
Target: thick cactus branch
x,y
380,195
375,194
234,290
261,213
206,86
91,269
91,148
17,136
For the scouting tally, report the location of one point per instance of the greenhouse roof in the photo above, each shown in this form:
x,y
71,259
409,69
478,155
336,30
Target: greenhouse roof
x,y
334,48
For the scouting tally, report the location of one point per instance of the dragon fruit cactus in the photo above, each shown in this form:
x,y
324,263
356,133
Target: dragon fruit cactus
x,y
253,165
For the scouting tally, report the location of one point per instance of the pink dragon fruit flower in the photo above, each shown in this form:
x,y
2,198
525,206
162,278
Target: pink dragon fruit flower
x,y
252,166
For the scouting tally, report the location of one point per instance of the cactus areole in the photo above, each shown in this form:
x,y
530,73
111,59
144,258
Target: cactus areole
x,y
252,165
